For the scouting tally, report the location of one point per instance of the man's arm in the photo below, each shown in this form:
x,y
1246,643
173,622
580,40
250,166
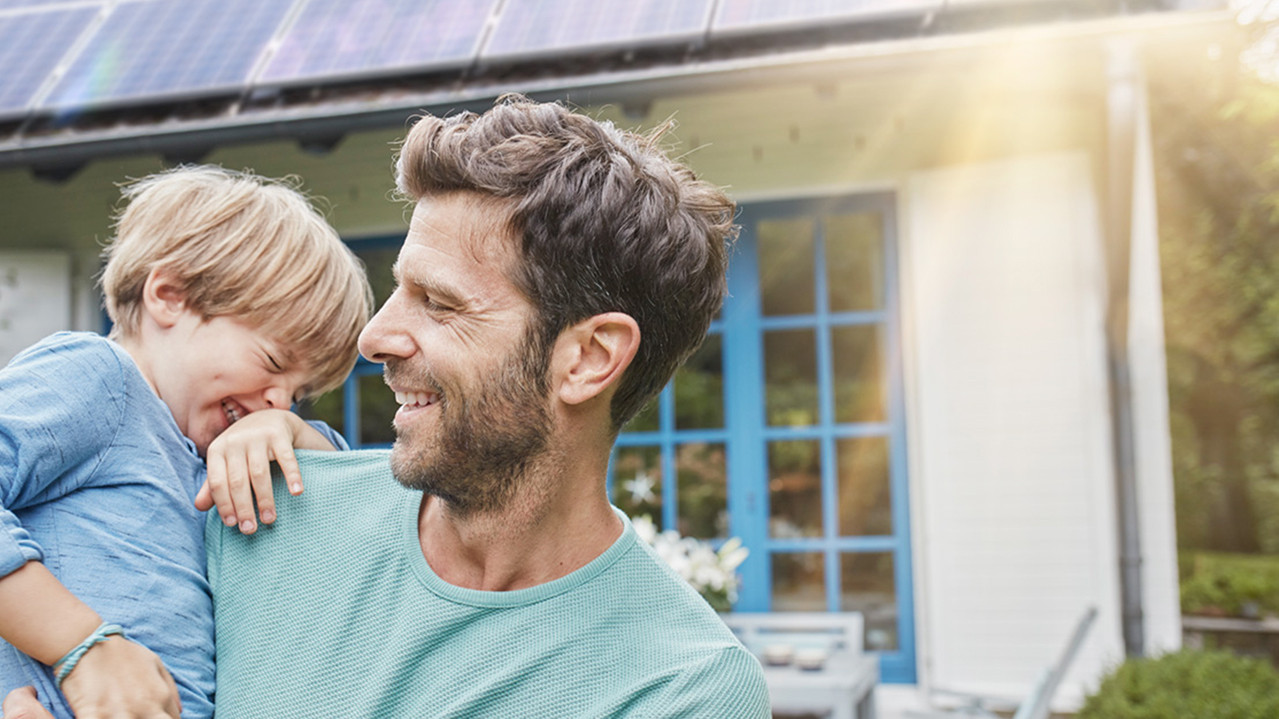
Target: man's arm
x,y
22,704
727,685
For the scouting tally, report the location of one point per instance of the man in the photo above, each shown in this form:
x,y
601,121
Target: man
x,y
555,273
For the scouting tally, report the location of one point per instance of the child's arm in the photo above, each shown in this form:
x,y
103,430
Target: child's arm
x,y
239,462
115,678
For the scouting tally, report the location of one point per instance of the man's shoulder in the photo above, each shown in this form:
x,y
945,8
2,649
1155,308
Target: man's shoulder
x,y
341,489
344,468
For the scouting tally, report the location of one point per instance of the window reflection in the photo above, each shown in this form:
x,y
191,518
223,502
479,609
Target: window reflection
x,y
867,586
377,265
855,262
799,582
865,500
858,372
702,490
794,489
328,408
786,263
646,420
699,388
790,378
377,410
637,482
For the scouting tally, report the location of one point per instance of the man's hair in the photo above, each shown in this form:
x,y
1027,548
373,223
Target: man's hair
x,y
244,247
605,220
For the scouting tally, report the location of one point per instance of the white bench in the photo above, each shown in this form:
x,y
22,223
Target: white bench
x,y
843,688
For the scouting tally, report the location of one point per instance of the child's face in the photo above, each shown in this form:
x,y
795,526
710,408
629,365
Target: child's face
x,y
213,372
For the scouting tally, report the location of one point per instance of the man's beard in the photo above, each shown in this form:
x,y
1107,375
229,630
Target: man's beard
x,y
488,437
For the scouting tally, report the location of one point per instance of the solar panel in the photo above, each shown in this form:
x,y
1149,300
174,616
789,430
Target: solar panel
x,y
170,48
536,27
336,38
8,4
749,15
31,46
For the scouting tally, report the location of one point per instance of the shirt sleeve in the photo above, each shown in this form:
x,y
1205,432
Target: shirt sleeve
x,y
337,440
60,407
726,685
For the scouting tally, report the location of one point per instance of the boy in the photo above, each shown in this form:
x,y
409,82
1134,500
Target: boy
x,y
217,284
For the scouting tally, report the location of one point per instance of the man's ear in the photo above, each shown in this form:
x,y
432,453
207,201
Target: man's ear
x,y
591,356
163,299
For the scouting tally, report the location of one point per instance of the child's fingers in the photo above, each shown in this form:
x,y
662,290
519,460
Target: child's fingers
x,y
237,474
259,468
204,498
216,482
283,453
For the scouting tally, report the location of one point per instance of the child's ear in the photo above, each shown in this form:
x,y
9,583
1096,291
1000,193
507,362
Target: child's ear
x,y
163,298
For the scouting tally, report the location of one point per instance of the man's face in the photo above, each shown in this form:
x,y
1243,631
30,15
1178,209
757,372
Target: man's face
x,y
469,377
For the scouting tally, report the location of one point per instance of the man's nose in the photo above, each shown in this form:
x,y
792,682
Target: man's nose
x,y
385,337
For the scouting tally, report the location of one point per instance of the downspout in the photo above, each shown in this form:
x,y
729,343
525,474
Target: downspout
x,y
1124,82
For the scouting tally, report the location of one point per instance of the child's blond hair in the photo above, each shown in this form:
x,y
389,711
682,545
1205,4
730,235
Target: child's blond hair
x,y
244,247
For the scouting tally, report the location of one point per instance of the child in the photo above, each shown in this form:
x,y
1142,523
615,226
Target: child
x,y
229,295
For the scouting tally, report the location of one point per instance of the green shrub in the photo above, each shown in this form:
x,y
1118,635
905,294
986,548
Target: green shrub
x,y
1187,685
1213,583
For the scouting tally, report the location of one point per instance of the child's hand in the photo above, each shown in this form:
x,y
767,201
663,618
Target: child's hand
x,y
239,463
120,678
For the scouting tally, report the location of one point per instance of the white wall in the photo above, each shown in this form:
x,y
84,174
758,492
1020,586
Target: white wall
x,y
35,298
1010,436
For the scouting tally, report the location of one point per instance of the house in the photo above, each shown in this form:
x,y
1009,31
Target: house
x,y
936,394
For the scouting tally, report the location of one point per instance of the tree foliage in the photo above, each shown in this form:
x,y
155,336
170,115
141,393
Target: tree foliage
x,y
1217,173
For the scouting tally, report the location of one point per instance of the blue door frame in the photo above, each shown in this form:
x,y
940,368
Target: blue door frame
x,y
743,328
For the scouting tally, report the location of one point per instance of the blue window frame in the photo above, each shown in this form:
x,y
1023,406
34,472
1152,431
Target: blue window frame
x,y
786,428
806,460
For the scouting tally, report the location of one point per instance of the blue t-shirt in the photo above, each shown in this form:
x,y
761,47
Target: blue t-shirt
x,y
98,482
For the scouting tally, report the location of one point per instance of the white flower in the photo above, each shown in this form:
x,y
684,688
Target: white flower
x,y
641,488
712,573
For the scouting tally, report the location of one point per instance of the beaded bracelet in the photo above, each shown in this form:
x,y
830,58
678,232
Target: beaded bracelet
x,y
63,666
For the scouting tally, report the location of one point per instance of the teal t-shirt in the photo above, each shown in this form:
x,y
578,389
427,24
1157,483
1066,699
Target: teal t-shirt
x,y
333,611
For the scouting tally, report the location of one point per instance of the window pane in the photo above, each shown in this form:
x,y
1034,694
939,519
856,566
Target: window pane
x,y
794,489
790,378
855,262
799,583
637,482
646,420
377,410
702,490
859,375
867,586
327,408
699,388
377,264
786,262
865,503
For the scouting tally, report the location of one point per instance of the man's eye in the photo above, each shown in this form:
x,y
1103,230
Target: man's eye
x,y
274,364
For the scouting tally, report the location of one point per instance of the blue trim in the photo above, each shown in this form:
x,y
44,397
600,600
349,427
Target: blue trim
x,y
745,326
743,352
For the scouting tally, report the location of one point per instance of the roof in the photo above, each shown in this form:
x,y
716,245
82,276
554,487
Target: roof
x,y
96,78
